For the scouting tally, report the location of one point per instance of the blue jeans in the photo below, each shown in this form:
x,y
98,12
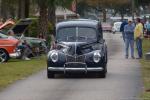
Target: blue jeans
x,y
139,47
123,36
129,42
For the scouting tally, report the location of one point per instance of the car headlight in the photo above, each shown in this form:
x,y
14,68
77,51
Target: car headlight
x,y
54,56
96,57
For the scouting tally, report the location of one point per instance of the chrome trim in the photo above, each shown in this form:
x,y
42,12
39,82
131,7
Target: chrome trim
x,y
7,45
76,59
64,69
75,63
14,55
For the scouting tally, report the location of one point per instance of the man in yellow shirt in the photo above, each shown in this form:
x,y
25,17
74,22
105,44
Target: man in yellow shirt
x,y
138,35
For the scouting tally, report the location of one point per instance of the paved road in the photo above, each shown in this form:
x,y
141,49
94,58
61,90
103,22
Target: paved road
x,y
123,81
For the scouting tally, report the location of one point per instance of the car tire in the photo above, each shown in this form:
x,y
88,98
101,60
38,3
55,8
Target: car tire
x,y
4,56
103,73
50,74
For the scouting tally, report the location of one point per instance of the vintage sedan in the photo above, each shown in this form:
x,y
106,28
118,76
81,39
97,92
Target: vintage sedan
x,y
79,47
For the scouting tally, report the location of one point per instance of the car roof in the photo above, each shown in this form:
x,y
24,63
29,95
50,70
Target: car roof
x,y
78,22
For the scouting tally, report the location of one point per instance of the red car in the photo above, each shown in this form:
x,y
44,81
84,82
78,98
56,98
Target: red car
x,y
7,47
107,27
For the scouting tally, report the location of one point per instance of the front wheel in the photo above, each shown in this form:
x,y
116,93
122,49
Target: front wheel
x,y
3,56
103,73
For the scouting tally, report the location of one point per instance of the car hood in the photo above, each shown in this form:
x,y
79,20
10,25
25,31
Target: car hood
x,y
76,48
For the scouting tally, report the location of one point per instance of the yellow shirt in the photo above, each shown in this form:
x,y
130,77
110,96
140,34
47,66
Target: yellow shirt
x,y
138,31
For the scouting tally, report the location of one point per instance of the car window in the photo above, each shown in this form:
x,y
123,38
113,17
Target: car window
x,y
76,34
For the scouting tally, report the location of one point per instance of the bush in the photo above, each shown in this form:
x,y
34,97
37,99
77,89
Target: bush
x,y
33,28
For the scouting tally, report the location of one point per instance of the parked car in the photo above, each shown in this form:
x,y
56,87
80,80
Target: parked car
x,y
107,27
37,45
116,27
7,47
79,47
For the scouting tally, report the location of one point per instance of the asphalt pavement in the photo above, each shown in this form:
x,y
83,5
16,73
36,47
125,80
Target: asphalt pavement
x,y
123,81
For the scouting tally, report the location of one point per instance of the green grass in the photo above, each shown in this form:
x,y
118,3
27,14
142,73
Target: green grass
x,y
16,69
146,70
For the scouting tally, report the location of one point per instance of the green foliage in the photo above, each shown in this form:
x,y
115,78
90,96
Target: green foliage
x,y
142,2
146,70
33,28
50,27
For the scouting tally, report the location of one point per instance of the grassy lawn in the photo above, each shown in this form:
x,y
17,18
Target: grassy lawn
x,y
146,71
19,69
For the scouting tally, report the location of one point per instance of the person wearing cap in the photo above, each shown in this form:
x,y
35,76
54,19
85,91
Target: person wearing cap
x,y
129,38
138,35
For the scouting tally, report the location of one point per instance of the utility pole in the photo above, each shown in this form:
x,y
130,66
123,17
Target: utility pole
x,y
133,8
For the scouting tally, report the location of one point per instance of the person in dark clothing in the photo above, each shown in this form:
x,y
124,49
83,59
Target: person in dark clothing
x,y
122,29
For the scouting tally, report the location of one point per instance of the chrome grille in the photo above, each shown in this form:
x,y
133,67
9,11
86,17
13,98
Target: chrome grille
x,y
75,65
80,58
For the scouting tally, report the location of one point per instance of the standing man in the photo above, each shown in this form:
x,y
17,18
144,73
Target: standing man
x,y
129,38
138,35
122,29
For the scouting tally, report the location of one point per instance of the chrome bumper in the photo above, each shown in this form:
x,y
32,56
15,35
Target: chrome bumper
x,y
64,69
15,55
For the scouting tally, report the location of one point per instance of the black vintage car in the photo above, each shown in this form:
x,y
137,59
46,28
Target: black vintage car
x,y
79,47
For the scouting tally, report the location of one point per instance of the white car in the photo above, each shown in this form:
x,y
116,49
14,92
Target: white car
x,y
116,27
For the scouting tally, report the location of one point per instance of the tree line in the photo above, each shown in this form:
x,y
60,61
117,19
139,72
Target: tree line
x,y
19,9
121,7
25,8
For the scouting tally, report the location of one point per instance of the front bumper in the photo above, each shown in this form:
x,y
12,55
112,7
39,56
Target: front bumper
x,y
63,69
15,54
76,68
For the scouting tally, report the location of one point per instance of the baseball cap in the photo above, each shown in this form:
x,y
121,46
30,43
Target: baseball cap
x,y
129,20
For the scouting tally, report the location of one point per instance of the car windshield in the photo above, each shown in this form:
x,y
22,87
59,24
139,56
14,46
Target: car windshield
x,y
76,34
3,36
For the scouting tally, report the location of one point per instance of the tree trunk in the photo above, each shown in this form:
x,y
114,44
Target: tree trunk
x,y
0,8
27,7
104,15
23,10
4,9
52,17
43,21
122,16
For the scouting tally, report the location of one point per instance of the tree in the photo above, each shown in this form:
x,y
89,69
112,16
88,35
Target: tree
x,y
52,5
84,6
23,8
8,8
141,2
47,13
43,18
122,10
102,5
